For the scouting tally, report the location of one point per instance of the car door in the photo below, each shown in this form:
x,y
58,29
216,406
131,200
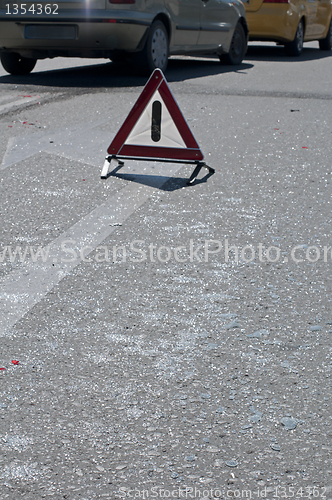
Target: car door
x,y
323,16
185,16
311,8
218,18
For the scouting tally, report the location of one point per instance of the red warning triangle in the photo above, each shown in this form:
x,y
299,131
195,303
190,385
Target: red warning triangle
x,y
155,127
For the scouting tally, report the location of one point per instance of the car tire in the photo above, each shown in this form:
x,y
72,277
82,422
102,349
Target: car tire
x,y
237,49
14,64
295,47
156,49
326,43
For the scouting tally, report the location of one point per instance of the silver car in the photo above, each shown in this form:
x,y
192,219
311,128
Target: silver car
x,y
147,31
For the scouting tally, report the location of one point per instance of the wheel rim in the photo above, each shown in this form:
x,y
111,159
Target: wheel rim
x,y
299,37
159,48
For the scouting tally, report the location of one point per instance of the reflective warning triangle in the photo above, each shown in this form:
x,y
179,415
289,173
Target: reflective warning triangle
x,y
155,127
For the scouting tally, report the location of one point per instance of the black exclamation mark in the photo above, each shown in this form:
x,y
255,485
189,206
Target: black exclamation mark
x,y
156,121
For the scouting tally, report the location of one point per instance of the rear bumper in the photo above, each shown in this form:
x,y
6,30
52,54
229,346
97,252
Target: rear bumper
x,y
88,38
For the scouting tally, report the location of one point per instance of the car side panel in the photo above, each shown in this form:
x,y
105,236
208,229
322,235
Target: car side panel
x,y
278,22
311,14
274,22
217,19
322,17
253,5
185,20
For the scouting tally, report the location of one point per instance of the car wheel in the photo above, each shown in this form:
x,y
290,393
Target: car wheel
x,y
155,53
14,64
326,43
295,47
237,48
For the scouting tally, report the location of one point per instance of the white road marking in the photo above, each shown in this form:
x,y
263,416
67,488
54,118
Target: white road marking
x,y
10,145
13,99
84,142
13,104
27,285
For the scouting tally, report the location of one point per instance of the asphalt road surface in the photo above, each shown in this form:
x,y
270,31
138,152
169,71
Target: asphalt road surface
x,y
160,340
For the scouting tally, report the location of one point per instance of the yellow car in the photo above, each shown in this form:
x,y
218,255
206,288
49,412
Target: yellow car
x,y
290,22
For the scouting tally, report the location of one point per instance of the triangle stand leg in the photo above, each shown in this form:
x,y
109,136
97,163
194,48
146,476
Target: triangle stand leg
x,y
105,169
106,166
197,170
199,165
